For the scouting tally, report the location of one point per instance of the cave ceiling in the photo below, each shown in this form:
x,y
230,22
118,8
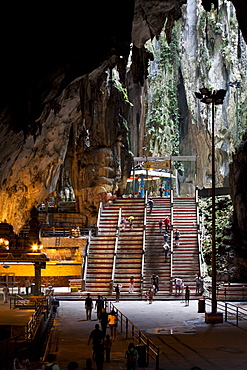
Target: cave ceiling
x,y
47,47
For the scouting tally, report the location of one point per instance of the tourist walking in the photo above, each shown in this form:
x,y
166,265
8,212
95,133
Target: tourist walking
x,y
150,295
161,191
88,306
166,248
187,295
165,236
112,321
5,293
122,224
150,203
27,285
97,338
178,285
104,320
131,286
132,357
131,221
167,223
155,283
198,284
160,223
117,291
177,237
107,347
99,304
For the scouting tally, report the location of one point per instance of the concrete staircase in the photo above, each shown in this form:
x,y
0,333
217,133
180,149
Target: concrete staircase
x,y
186,256
154,262
129,251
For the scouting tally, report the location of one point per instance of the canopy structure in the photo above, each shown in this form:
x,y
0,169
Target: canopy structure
x,y
155,168
150,174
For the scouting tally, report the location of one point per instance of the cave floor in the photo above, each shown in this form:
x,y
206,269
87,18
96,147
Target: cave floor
x,y
182,335
178,330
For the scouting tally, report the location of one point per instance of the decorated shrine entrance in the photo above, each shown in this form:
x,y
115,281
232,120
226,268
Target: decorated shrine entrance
x,y
158,175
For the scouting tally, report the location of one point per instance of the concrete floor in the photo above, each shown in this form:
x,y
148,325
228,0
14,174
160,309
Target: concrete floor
x,y
178,330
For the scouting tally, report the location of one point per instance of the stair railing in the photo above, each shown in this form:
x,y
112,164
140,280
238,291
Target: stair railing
x,y
115,248
171,244
144,240
199,234
98,219
85,261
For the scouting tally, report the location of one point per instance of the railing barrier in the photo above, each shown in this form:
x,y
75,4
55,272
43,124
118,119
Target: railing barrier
x,y
137,335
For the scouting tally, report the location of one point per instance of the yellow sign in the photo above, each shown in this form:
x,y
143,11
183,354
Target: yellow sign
x,y
157,164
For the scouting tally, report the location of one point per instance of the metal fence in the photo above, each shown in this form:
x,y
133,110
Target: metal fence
x,y
129,330
232,313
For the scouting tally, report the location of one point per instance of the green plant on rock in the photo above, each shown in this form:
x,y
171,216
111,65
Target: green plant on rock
x,y
223,213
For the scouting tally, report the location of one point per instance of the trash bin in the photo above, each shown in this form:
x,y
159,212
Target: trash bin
x,y
32,288
201,305
142,354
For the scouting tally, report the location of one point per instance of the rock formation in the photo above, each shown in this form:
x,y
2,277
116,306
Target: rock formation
x,y
59,107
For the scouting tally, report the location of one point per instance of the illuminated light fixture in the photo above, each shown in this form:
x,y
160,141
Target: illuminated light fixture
x,y
4,243
35,247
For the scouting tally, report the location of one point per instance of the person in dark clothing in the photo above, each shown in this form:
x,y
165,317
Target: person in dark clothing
x,y
88,306
187,295
97,338
104,320
99,303
155,283
117,291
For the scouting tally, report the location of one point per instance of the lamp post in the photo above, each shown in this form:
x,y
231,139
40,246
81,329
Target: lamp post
x,y
214,98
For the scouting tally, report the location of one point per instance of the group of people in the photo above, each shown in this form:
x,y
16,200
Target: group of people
x,y
125,221
6,292
102,342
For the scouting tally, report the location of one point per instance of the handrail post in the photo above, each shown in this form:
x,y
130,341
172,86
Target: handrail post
x,y
158,360
143,242
98,219
237,316
225,311
127,328
171,253
116,245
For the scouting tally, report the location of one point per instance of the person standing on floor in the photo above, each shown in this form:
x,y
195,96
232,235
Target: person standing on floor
x,y
187,296
131,356
88,306
107,347
112,321
104,320
131,286
161,191
97,338
99,303
5,293
117,291
150,295
198,284
27,285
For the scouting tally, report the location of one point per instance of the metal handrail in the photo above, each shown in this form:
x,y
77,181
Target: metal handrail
x,y
99,216
230,311
172,249
116,246
144,240
136,334
85,261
